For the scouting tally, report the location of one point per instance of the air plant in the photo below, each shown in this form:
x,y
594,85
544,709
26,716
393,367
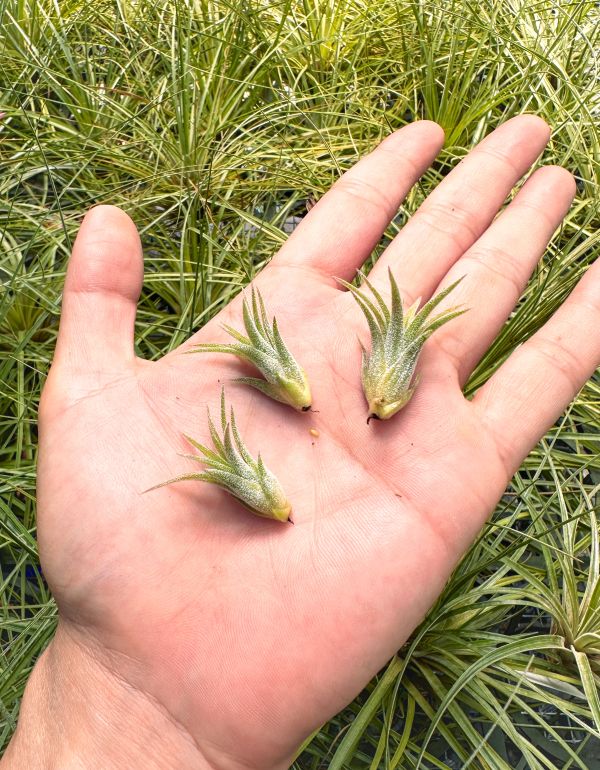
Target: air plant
x,y
285,380
231,467
397,337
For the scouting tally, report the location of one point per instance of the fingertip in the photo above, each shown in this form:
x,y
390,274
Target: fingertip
x,y
518,139
107,254
424,131
103,215
551,189
102,286
531,122
561,177
587,289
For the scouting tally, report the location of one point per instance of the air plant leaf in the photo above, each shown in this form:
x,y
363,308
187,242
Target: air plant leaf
x,y
284,379
397,337
230,466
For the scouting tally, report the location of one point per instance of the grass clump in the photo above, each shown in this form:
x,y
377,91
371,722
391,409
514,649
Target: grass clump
x,y
214,124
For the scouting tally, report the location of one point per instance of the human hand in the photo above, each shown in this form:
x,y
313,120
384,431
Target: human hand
x,y
242,634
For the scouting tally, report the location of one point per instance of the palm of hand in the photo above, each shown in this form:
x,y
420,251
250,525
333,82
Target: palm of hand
x,y
211,610
146,574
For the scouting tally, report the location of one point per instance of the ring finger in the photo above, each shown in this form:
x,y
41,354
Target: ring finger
x,y
460,209
498,265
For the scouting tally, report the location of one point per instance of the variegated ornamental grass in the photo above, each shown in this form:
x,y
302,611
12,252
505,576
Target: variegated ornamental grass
x,y
213,124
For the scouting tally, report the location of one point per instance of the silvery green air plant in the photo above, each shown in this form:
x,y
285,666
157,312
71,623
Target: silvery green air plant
x,y
284,379
397,337
230,466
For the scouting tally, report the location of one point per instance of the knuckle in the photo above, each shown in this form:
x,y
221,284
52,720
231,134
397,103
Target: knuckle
x,y
505,450
452,345
497,153
560,359
535,212
451,220
499,263
367,193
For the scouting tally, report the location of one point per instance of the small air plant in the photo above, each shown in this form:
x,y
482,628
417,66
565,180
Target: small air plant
x,y
285,380
397,337
231,467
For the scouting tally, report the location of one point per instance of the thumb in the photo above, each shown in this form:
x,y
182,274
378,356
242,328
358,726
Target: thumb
x,y
102,287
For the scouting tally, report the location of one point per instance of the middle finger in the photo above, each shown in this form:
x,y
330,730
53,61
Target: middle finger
x,y
498,265
460,209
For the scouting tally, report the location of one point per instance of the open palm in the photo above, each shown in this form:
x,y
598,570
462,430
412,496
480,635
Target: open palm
x,y
249,633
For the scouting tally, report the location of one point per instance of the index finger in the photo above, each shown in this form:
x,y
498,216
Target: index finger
x,y
340,232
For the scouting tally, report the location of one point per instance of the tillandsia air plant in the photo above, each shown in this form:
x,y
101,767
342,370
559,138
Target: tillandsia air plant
x,y
285,380
231,467
397,337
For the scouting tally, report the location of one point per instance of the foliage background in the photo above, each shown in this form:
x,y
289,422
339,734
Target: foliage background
x,y
214,124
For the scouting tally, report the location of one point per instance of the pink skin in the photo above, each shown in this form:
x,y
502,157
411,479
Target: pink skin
x,y
249,633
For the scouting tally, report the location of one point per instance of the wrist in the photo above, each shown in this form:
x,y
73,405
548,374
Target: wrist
x,y
76,714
